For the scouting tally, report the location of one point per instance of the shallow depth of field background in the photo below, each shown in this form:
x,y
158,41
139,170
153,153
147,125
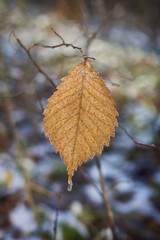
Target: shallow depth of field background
x,y
127,53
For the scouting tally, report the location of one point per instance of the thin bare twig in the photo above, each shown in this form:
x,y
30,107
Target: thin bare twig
x,y
58,35
89,180
138,143
105,199
9,110
27,50
60,45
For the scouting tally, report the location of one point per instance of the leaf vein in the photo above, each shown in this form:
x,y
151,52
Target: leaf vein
x,y
89,131
61,91
91,94
64,124
92,104
69,96
53,116
86,112
63,107
85,140
97,90
90,113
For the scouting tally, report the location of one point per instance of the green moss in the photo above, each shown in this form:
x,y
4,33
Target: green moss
x,y
71,233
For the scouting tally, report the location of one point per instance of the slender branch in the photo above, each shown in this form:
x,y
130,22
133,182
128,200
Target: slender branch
x,y
27,50
58,35
73,46
60,45
9,111
89,180
105,198
139,143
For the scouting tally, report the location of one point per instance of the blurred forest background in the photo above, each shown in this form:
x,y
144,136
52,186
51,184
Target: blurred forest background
x,y
124,38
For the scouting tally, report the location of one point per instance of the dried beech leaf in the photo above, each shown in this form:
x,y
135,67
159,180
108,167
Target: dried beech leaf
x,y
80,116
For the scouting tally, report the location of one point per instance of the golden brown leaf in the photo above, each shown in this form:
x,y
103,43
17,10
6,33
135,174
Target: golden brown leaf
x,y
80,116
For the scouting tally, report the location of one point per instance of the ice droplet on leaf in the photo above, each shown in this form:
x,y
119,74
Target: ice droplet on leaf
x,y
69,187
